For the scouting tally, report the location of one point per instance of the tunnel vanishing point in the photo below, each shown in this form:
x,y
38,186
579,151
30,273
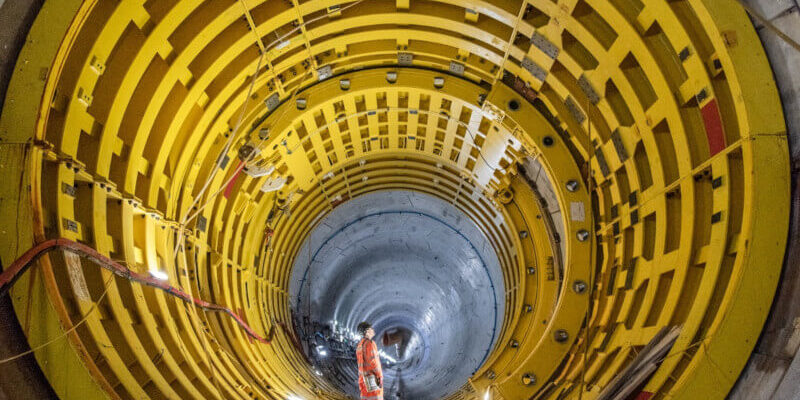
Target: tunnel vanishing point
x,y
528,199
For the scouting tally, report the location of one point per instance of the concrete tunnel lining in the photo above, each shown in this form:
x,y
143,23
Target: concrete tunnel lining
x,y
406,260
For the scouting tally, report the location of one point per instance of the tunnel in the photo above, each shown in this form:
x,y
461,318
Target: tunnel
x,y
435,286
527,199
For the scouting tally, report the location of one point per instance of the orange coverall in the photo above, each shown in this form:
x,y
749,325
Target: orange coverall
x,y
369,362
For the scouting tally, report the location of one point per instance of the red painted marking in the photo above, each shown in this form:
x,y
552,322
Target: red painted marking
x,y
713,123
335,203
232,183
525,90
644,396
268,236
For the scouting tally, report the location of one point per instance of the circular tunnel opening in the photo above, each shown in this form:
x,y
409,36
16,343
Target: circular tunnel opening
x,y
420,271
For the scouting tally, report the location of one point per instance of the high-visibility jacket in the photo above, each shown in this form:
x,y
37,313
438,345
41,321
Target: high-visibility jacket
x,y
369,362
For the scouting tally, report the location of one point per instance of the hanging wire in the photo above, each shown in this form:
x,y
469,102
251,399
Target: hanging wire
x,y
189,217
206,346
220,160
64,334
10,275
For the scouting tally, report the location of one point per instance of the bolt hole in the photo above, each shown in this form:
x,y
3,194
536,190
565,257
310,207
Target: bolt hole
x,y
548,141
513,105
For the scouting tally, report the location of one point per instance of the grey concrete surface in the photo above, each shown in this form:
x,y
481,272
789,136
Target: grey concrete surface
x,y
23,378
408,263
16,18
784,59
544,188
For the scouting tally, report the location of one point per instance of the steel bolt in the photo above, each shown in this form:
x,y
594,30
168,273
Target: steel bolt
x,y
572,185
579,286
583,234
528,308
561,336
531,270
513,343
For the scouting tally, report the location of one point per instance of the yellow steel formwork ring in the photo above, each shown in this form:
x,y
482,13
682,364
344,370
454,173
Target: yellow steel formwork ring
x,y
687,148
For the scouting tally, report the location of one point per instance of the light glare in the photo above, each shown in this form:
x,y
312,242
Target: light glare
x,y
158,274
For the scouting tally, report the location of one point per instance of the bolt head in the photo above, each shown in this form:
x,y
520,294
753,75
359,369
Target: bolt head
x,y
583,235
572,185
579,286
561,335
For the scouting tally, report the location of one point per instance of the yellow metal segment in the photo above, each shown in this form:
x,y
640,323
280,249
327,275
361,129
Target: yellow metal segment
x,y
662,113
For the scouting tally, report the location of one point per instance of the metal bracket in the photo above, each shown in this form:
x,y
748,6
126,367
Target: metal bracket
x,y
70,225
324,73
272,101
405,58
68,189
456,68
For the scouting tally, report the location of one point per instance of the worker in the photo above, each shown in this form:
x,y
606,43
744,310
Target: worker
x,y
370,374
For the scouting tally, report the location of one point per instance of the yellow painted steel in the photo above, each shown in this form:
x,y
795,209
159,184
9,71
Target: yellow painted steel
x,y
122,110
